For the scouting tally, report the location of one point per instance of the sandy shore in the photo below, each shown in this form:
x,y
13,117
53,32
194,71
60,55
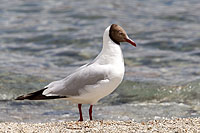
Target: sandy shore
x,y
176,125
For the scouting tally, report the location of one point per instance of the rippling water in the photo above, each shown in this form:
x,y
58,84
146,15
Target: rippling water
x,y
41,41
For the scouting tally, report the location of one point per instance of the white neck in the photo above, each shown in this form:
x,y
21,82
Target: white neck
x,y
111,52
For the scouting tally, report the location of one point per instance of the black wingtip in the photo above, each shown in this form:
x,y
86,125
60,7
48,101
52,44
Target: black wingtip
x,y
32,96
38,96
20,98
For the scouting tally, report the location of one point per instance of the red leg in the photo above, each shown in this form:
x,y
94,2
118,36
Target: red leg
x,y
90,112
80,112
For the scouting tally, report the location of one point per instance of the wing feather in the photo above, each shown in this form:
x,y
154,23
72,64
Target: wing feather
x,y
76,83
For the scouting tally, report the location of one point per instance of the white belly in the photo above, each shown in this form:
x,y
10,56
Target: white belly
x,y
92,94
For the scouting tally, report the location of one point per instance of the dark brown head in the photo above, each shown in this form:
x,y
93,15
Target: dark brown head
x,y
118,34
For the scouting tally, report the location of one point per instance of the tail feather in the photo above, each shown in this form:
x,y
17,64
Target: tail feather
x,y
37,96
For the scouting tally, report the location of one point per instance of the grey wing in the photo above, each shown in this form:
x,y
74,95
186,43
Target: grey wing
x,y
75,83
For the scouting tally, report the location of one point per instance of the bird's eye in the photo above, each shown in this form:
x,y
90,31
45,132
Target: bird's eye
x,y
121,33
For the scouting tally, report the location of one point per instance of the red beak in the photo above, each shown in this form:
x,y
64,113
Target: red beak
x,y
130,41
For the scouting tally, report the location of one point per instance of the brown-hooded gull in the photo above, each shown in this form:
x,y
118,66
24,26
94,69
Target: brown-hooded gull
x,y
93,81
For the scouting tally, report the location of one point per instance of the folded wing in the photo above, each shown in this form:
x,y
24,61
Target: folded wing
x,y
76,83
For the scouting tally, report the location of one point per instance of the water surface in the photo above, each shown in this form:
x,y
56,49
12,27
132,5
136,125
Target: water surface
x,y
42,41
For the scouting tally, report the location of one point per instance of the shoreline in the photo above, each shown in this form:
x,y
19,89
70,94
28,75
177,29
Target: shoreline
x,y
177,125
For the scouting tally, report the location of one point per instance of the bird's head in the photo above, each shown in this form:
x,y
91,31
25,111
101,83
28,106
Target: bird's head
x,y
117,34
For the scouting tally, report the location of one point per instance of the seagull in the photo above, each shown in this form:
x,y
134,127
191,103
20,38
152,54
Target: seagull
x,y
93,81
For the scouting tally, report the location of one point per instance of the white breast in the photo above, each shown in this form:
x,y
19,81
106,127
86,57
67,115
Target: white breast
x,y
112,61
94,93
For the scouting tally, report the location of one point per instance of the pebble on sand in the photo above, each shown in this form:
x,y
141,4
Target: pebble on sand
x,y
176,125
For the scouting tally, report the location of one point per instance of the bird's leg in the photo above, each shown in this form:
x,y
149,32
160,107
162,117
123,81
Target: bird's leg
x,y
80,112
90,112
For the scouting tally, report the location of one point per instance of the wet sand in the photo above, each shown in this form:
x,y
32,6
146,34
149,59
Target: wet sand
x,y
175,125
